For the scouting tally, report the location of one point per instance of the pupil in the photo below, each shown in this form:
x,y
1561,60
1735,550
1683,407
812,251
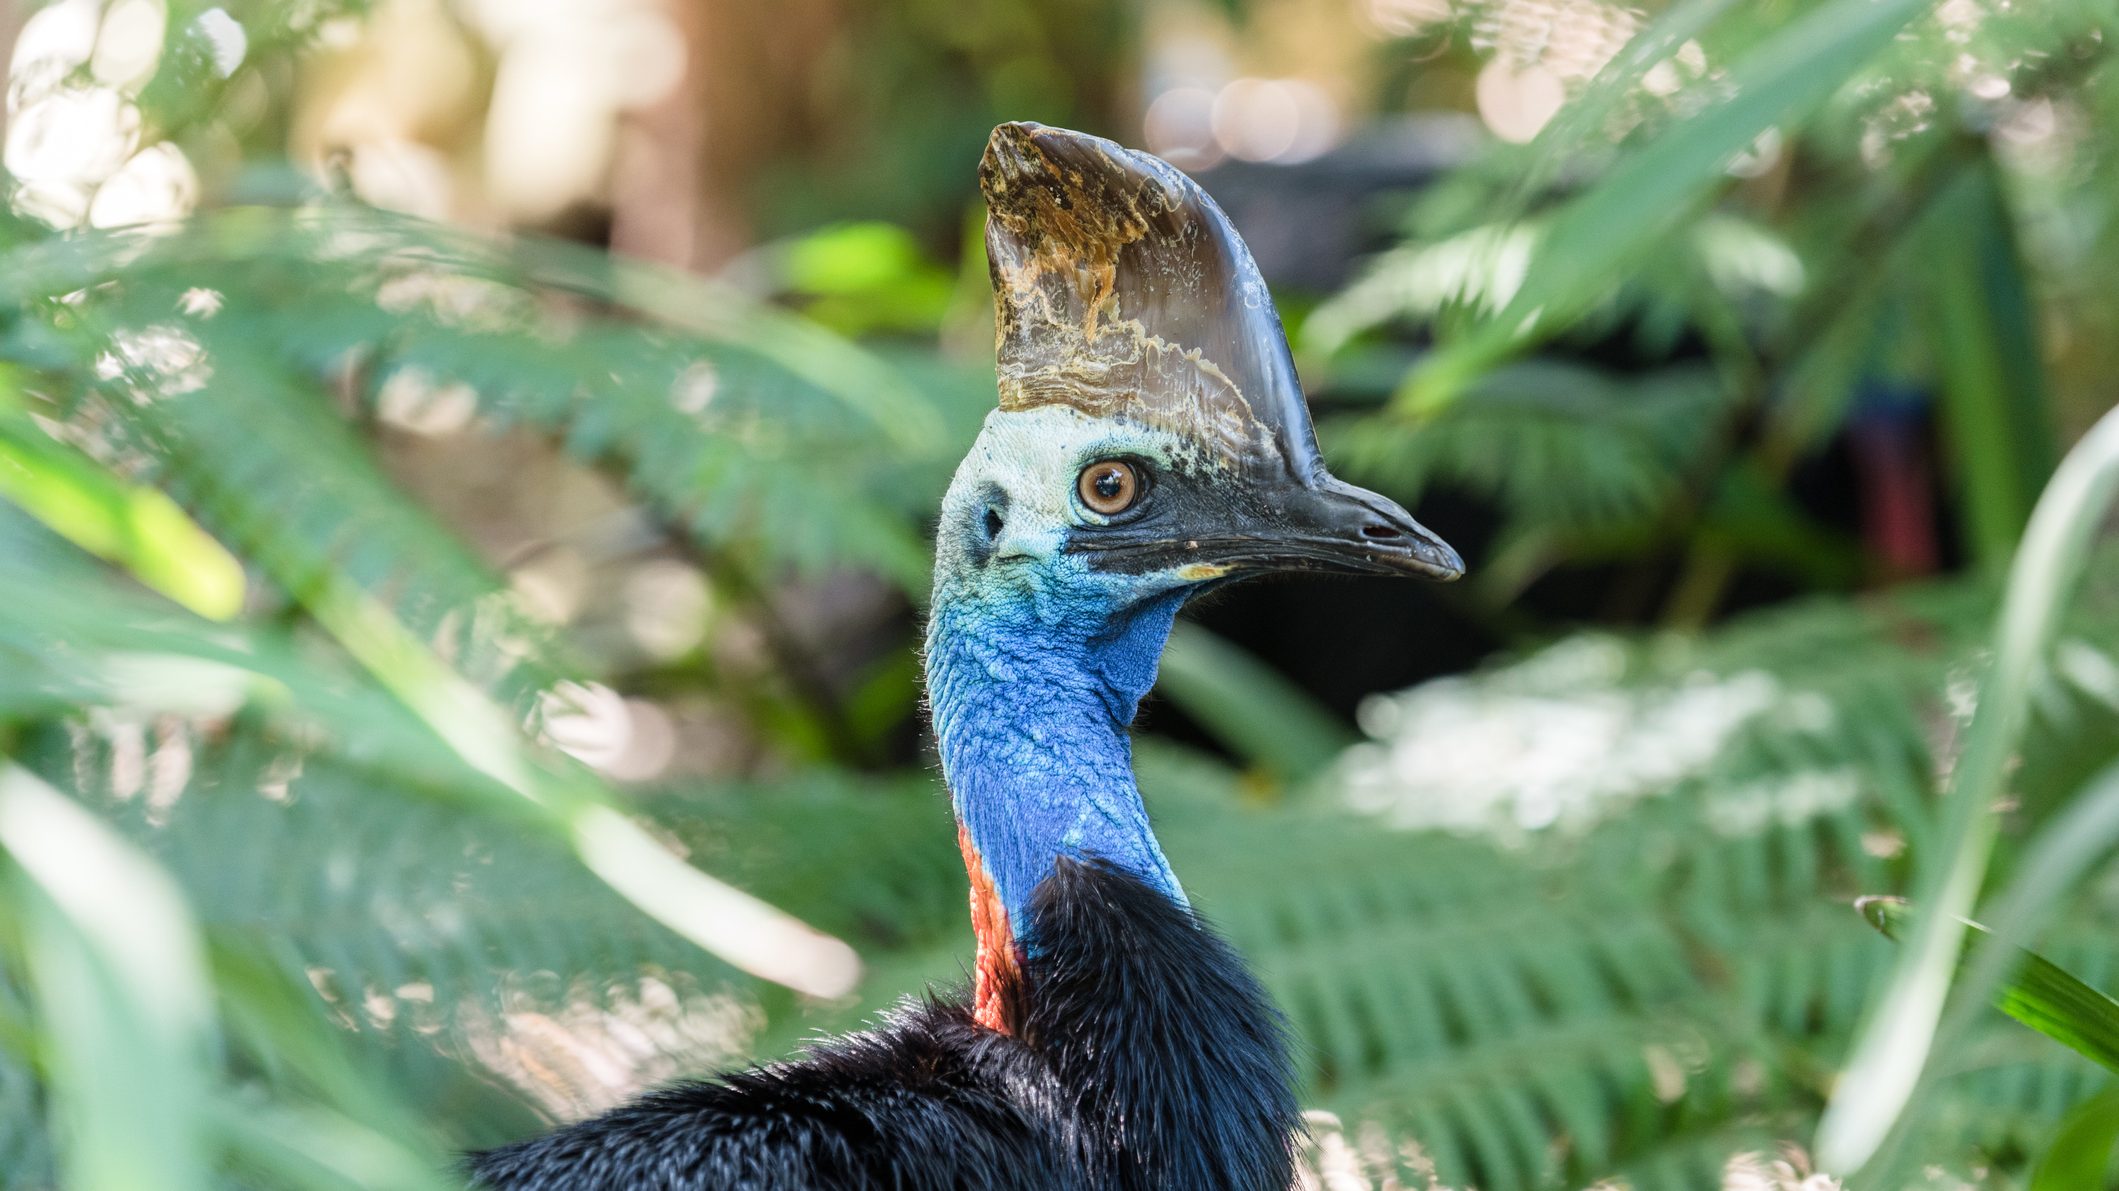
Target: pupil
x,y
1109,485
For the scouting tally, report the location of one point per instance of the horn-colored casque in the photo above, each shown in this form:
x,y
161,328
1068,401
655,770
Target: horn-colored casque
x,y
1121,289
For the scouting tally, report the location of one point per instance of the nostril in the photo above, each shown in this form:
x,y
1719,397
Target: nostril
x,y
1378,532
994,523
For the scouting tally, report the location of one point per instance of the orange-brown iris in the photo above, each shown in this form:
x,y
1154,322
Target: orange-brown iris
x,y
1109,486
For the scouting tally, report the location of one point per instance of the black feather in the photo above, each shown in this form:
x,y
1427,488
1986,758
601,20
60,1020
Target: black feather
x,y
1144,1058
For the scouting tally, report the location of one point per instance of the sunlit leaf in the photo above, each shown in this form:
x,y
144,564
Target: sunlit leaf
x,y
1663,180
137,527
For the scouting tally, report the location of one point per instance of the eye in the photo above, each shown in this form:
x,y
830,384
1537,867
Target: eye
x,y
1108,486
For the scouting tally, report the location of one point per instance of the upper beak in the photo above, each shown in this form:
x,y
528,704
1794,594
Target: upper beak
x,y
1335,527
1325,526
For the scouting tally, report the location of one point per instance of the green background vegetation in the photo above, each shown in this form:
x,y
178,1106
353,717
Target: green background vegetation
x,y
352,562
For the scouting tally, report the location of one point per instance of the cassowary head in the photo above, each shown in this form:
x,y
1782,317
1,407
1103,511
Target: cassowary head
x,y
1152,437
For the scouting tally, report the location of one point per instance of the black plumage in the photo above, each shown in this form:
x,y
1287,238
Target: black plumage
x,y
1140,1056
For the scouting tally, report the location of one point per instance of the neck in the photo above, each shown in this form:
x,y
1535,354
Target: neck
x,y
1031,701
1166,1052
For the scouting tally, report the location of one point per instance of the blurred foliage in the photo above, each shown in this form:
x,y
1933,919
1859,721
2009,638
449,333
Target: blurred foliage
x,y
326,861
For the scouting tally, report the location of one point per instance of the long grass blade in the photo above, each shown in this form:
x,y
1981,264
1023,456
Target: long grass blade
x,y
122,994
739,928
2040,993
1983,333
1895,1040
2054,865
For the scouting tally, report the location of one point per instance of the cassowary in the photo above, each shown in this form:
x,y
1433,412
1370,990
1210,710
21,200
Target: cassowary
x,y
1151,442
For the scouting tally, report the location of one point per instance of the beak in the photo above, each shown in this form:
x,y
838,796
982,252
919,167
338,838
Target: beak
x,y
1330,527
1334,528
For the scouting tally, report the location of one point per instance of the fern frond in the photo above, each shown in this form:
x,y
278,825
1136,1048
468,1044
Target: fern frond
x,y
1562,449
744,426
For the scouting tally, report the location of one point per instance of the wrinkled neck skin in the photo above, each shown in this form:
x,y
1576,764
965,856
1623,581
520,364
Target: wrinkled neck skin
x,y
1033,684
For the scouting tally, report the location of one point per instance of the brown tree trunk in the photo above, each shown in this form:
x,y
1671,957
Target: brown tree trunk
x,y
681,191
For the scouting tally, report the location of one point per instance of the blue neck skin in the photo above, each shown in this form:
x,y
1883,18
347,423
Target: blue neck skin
x,y
1032,694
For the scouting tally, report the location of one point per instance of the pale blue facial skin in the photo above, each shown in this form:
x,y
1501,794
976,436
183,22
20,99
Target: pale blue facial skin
x,y
1036,663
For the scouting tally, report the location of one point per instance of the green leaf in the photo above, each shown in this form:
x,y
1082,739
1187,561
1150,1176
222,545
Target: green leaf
x,y
275,1018
310,1146
1900,1030
1623,216
1585,117
849,258
138,528
724,920
1566,450
2040,994
1984,336
1247,706
122,993
2081,1150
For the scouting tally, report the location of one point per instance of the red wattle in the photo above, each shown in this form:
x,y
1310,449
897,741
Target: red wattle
x,y
996,968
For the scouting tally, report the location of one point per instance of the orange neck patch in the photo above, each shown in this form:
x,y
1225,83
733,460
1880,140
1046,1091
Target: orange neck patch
x,y
996,972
